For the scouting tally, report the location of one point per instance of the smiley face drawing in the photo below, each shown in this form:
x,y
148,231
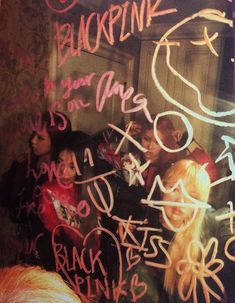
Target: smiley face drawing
x,y
206,115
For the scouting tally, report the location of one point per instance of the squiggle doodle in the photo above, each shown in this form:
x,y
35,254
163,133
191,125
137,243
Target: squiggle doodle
x,y
210,14
227,154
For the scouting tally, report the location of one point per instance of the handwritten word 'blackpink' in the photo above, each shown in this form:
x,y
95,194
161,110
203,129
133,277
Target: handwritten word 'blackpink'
x,y
80,265
66,34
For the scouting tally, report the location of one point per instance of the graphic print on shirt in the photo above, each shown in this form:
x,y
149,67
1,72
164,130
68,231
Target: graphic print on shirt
x,y
66,213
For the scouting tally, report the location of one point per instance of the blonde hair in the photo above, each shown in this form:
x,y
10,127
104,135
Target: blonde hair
x,y
194,177
32,284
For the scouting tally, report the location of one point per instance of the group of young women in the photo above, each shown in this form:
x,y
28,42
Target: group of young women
x,y
57,186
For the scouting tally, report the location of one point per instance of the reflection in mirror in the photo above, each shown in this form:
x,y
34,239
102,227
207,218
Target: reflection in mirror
x,y
117,127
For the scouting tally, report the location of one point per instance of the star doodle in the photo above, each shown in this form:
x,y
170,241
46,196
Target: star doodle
x,y
135,170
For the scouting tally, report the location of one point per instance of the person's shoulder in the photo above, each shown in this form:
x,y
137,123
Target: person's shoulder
x,y
19,162
50,185
22,158
17,170
213,212
216,222
212,215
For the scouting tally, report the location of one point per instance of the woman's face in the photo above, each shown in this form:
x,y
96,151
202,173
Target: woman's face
x,y
41,143
67,171
149,142
178,215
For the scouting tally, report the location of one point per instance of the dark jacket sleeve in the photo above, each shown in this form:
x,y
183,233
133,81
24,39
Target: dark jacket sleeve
x,y
214,226
127,199
11,184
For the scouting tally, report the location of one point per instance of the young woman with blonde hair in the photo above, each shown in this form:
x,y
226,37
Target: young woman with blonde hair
x,y
184,258
194,189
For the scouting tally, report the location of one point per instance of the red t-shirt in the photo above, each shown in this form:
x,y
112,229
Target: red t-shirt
x,y
61,205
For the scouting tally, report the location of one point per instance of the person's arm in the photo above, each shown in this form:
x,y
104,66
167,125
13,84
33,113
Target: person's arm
x,y
127,199
48,203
